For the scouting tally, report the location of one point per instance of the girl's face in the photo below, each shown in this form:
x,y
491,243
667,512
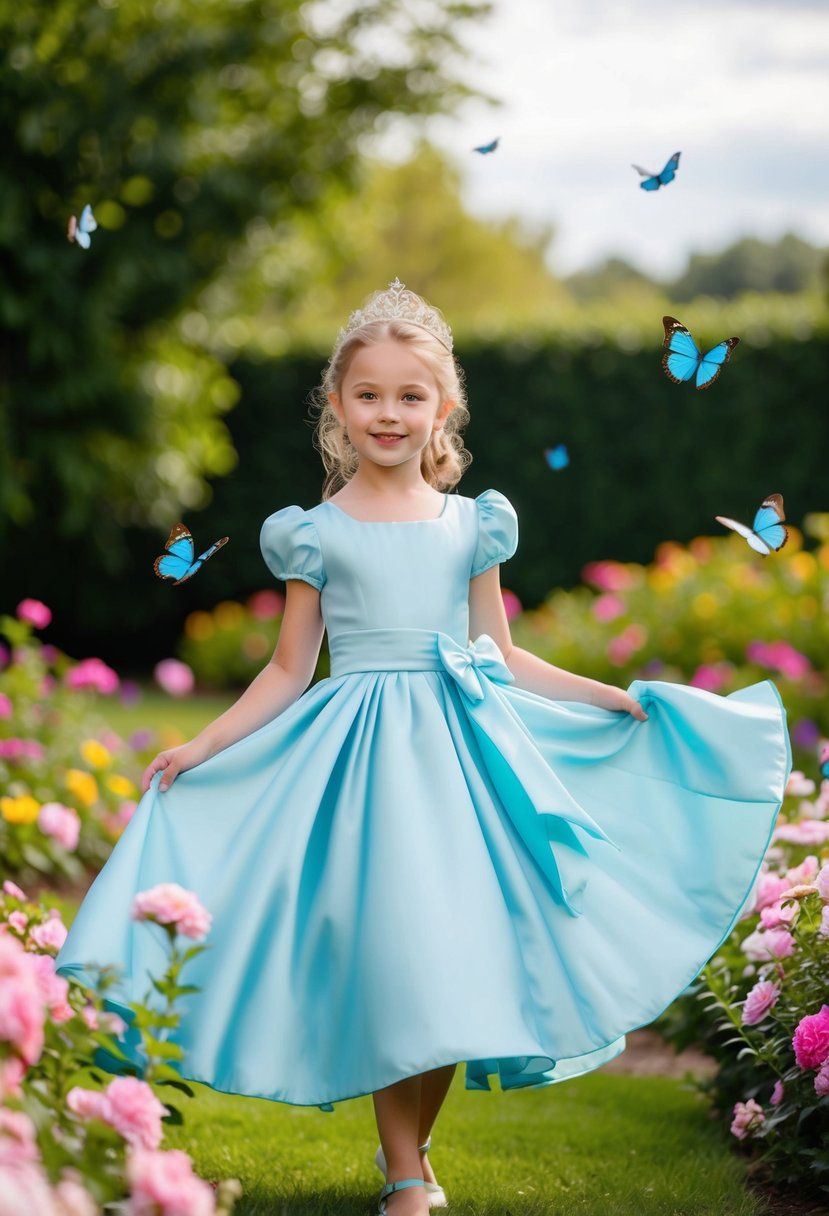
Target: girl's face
x,y
390,403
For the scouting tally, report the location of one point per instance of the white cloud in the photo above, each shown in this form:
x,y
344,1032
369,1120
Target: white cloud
x,y
742,89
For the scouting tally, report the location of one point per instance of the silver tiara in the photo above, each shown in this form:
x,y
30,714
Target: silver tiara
x,y
397,303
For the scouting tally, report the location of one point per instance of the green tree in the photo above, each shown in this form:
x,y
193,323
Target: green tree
x,y
193,127
790,265
410,220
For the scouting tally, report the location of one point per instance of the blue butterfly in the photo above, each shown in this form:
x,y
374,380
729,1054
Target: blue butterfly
x,y
484,148
824,761
654,180
79,230
768,533
683,357
558,457
178,563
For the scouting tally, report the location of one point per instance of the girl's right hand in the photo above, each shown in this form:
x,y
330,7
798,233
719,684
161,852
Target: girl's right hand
x,y
174,760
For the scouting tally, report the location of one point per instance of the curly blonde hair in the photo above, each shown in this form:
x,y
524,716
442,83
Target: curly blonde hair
x,y
444,459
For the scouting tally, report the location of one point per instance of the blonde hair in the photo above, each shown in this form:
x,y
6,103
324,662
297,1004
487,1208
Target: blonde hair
x,y
444,459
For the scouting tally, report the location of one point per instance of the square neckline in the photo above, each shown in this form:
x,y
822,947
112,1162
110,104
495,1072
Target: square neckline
x,y
388,522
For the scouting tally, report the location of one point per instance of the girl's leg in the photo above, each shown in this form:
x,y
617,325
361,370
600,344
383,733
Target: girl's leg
x,y
397,1109
434,1088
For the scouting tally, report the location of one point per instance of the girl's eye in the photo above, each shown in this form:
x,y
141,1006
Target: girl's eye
x,y
366,393
411,396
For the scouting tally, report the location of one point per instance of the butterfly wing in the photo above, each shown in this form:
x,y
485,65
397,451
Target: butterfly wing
x,y
202,558
682,357
747,533
768,522
485,148
650,183
177,562
558,457
87,222
712,363
669,172
824,761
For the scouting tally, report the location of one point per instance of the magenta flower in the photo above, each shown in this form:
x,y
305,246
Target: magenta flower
x,y
92,673
607,576
266,605
607,607
11,888
512,605
769,889
711,677
779,656
811,1039
777,1093
763,997
747,1118
169,904
175,677
35,612
4,656
6,707
60,822
822,1080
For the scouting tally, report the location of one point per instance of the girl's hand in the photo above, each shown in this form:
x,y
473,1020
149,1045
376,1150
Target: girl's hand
x,y
174,760
617,699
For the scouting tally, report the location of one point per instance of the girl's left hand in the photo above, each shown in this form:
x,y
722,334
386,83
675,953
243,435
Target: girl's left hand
x,y
617,699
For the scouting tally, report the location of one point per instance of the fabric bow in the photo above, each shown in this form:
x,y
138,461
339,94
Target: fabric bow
x,y
547,818
467,663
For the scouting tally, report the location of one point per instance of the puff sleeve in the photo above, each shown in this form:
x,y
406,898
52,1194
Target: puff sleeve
x,y
291,548
497,531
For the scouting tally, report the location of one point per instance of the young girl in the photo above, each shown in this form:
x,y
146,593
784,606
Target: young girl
x,y
449,850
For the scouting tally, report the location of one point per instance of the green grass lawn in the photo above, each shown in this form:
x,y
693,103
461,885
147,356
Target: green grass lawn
x,y
605,1144
158,711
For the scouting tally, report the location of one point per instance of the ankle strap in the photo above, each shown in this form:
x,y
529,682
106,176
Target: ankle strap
x,y
391,1187
424,1148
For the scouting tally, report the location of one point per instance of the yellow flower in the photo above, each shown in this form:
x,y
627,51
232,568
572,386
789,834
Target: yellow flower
x,y
705,605
95,754
122,787
228,614
24,809
82,785
199,626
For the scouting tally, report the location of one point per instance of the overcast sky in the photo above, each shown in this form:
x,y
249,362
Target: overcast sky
x,y
740,87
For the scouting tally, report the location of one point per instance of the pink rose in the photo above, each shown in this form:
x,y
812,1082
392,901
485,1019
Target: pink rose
x,y
17,1138
778,915
18,920
823,929
6,707
12,1072
807,831
60,822
34,612
799,786
769,889
88,1103
25,1188
760,1000
747,1118
169,904
163,1184
53,988
607,576
777,1094
73,1197
11,888
805,872
50,935
135,1112
811,1039
766,944
711,676
22,1009
822,884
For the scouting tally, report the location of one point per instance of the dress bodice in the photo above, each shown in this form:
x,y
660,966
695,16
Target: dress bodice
x,y
392,575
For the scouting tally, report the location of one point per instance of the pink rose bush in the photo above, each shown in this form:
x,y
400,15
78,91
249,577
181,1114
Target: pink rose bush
x,y
98,1146
169,904
765,992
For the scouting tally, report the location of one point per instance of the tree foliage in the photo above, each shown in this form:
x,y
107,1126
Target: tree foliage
x,y
188,125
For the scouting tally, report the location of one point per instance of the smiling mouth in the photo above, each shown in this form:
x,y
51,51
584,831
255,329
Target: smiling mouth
x,y
386,435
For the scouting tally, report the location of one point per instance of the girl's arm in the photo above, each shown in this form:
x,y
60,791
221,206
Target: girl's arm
x,y
487,615
278,685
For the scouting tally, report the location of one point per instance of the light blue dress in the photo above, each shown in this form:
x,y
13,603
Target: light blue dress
x,y
418,863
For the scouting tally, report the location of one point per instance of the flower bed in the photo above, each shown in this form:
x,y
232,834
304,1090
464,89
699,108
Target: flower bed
x,y
68,785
